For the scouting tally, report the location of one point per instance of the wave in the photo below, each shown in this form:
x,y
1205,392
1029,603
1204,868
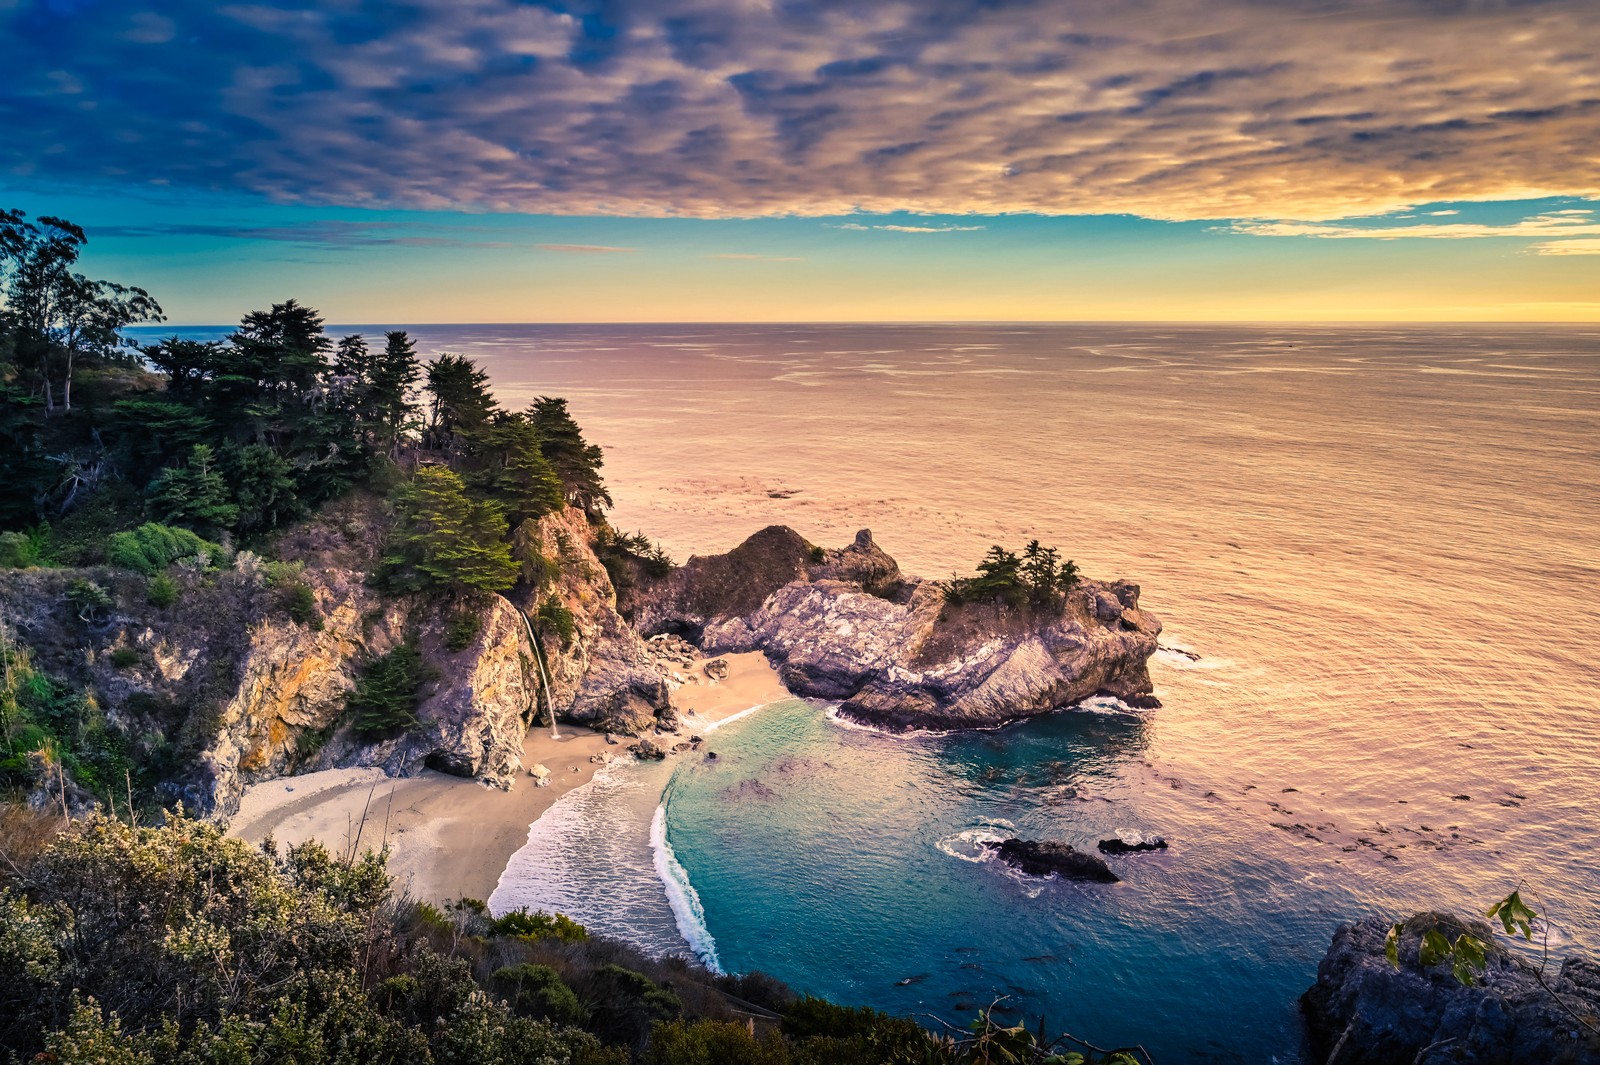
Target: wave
x,y
681,895
711,726
968,844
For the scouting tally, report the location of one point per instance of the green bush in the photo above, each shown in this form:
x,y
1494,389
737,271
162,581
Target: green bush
x,y
462,628
300,603
387,693
538,925
125,657
555,619
537,991
716,1043
19,550
162,591
151,548
89,600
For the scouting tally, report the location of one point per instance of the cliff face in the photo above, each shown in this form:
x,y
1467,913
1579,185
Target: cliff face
x,y
603,676
1365,1011
846,624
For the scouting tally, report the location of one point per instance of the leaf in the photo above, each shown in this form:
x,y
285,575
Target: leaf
x,y
1471,957
1391,945
1516,915
1435,947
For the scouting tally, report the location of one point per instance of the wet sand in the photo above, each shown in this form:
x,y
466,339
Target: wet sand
x,y
450,837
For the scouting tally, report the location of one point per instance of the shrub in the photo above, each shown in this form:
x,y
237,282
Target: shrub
x,y
538,925
818,553
624,1005
537,991
91,601
462,628
555,618
387,693
125,657
300,603
162,591
715,1043
19,550
151,548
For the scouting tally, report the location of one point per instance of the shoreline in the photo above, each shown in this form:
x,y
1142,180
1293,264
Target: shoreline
x,y
451,837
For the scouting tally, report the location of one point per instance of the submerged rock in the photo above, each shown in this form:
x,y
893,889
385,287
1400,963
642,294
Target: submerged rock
x,y
1051,858
846,624
1122,846
1365,1011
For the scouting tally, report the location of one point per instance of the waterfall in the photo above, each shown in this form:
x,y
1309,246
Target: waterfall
x,y
544,674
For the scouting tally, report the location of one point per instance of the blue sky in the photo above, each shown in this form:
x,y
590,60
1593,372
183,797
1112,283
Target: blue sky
x,y
490,160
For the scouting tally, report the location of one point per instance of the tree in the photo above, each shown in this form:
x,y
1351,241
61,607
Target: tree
x,y
57,314
395,372
263,486
575,461
194,494
446,540
512,469
386,694
461,401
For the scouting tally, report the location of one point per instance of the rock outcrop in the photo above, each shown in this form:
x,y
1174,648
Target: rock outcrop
x,y
603,675
1365,1011
1053,859
847,624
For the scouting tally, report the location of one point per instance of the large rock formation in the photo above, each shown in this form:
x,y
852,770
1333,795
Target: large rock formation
x,y
846,624
604,676
1050,858
1365,1011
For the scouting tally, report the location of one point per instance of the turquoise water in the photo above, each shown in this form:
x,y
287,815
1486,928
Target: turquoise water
x,y
848,862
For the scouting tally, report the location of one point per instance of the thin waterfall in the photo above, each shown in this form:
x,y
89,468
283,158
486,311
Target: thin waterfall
x,y
544,674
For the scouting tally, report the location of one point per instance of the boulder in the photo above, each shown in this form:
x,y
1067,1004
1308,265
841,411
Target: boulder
x,y
717,669
646,750
1122,846
1363,1010
1049,858
540,774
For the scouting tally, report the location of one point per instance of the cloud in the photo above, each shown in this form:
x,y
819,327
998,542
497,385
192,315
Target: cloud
x,y
586,249
1301,110
760,258
328,234
1555,224
857,227
1584,246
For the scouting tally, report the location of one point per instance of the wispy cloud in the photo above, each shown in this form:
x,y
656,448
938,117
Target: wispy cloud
x,y
859,228
1555,224
328,234
1584,246
586,249
1181,109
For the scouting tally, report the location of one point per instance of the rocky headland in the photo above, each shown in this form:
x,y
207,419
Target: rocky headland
x,y
1363,1010
845,624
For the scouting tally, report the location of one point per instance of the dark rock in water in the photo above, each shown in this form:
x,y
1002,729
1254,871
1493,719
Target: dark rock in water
x,y
1119,846
1364,1011
1142,702
711,756
1062,859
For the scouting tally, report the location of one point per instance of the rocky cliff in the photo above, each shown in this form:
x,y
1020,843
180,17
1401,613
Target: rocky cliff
x,y
226,688
846,624
1365,1011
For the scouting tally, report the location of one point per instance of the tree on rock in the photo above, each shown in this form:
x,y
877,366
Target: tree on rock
x,y
445,539
576,461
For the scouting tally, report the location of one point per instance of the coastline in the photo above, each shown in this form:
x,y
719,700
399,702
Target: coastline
x,y
451,837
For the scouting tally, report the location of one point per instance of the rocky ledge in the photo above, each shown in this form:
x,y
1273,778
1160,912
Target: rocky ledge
x,y
846,624
1365,1011
1053,859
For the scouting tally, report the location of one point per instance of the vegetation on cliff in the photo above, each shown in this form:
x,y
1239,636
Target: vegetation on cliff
x,y
164,460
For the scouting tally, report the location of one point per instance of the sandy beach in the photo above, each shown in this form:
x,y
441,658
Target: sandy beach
x,y
450,837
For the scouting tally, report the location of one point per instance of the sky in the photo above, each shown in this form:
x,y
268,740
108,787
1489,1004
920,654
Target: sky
x,y
814,160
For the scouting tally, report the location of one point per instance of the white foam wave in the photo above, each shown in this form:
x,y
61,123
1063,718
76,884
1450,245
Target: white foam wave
x,y
681,895
1110,705
968,844
1177,656
703,726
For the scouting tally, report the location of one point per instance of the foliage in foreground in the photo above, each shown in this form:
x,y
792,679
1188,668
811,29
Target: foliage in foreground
x,y
125,945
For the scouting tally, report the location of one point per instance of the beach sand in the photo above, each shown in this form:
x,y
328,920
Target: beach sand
x,y
451,837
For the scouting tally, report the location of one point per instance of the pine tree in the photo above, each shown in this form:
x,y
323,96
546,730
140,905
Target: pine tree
x,y
446,540
461,401
395,372
513,470
195,494
575,461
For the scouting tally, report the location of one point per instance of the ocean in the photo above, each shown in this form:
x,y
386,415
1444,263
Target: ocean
x,y
1382,544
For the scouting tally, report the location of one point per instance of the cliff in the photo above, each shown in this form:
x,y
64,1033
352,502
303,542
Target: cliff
x,y
1365,1011
224,687
846,624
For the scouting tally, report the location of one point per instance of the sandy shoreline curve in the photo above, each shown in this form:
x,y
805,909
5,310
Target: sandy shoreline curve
x,y
450,837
